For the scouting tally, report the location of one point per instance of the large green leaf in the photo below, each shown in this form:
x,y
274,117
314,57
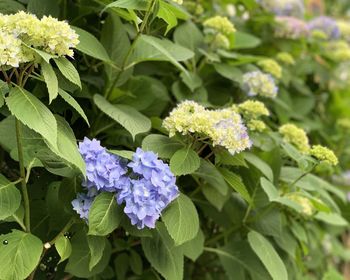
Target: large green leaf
x,y
132,120
67,148
181,220
19,255
164,146
169,13
63,247
71,101
268,256
149,48
10,6
141,5
105,215
245,40
332,218
163,255
10,198
97,246
184,161
237,255
235,181
68,70
194,247
34,114
79,261
90,45
50,80
211,175
188,35
261,165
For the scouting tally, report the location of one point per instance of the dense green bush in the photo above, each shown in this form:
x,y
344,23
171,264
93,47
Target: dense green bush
x,y
245,102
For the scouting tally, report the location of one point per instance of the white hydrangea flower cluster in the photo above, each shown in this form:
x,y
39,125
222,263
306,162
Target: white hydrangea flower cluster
x,y
223,127
259,83
21,31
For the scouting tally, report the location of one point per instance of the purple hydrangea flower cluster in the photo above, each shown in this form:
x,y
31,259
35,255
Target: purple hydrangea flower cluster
x,y
294,8
291,28
151,191
104,171
327,25
146,185
82,205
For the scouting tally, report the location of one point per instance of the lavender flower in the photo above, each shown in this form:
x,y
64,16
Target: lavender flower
x,y
259,83
326,25
104,171
82,205
284,7
150,192
290,28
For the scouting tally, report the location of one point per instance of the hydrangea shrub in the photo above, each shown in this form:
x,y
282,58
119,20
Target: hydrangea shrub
x,y
174,139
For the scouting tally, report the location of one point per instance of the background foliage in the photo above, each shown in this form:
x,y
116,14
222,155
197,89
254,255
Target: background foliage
x,y
235,217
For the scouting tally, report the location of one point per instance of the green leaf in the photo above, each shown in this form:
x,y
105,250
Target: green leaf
x,y
104,215
211,175
97,246
132,120
72,102
260,165
194,247
163,255
34,114
10,198
67,148
269,189
181,220
50,80
123,153
63,247
237,255
19,254
164,146
10,6
169,13
149,48
135,262
188,35
40,8
268,256
184,161
216,198
140,5
68,70
235,181
191,80
332,219
90,45
230,72
245,41
78,263
44,55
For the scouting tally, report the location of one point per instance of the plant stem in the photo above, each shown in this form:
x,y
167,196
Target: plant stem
x,y
65,229
23,175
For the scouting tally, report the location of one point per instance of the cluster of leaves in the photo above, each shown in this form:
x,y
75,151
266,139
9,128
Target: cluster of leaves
x,y
237,216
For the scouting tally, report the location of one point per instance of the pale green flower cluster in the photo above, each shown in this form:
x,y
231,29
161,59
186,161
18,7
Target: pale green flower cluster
x,y
221,41
220,29
10,50
178,1
259,83
296,136
256,125
338,51
194,7
223,127
286,58
253,109
221,24
270,66
308,208
21,31
344,27
324,154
